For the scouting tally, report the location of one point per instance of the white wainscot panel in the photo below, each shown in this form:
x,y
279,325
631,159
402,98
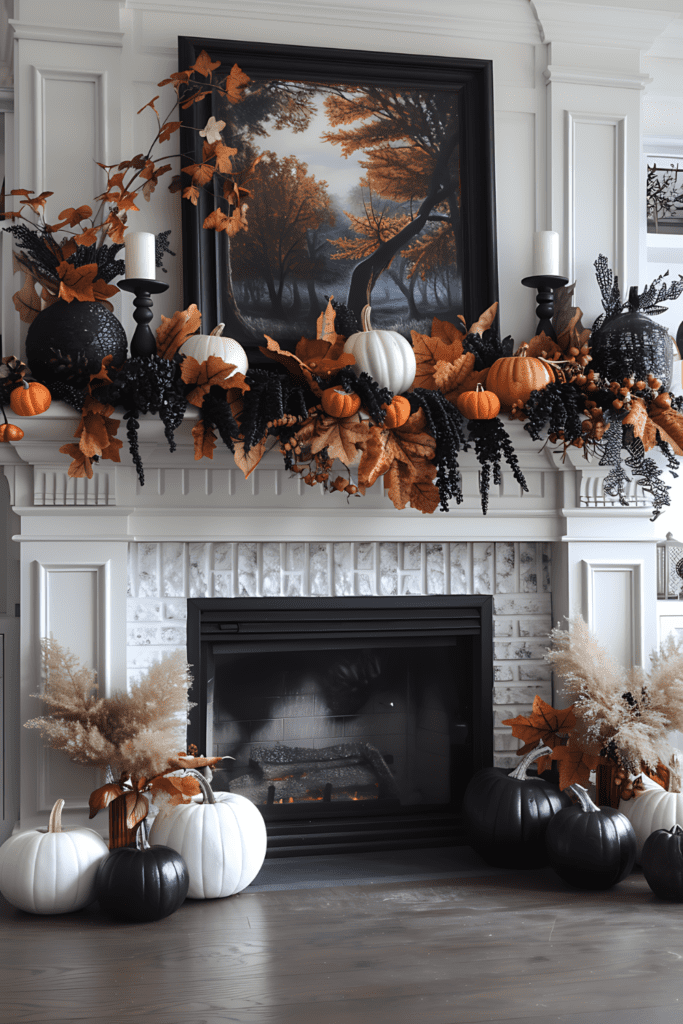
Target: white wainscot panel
x,y
74,607
596,191
70,132
612,594
516,213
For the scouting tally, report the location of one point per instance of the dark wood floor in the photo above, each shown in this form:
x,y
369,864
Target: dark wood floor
x,y
517,948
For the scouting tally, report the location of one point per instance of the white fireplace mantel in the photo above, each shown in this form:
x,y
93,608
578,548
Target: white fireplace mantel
x,y
77,537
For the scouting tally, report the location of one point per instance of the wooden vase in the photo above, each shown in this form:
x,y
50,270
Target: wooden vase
x,y
119,833
607,793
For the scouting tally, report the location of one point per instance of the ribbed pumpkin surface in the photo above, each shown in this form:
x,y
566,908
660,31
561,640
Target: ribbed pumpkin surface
x,y
513,378
650,811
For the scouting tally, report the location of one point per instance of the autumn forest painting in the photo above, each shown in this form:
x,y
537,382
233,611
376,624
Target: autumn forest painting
x,y
351,189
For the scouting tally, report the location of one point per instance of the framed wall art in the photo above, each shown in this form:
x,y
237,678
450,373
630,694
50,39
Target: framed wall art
x,y
366,176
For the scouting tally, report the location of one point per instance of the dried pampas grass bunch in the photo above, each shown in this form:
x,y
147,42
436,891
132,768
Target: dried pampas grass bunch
x,y
132,732
623,714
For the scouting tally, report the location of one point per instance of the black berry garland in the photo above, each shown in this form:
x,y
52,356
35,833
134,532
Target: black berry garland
x,y
445,425
490,440
372,395
561,406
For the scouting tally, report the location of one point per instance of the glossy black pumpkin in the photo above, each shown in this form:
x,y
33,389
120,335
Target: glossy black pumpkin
x,y
632,344
142,885
506,814
590,847
662,863
68,341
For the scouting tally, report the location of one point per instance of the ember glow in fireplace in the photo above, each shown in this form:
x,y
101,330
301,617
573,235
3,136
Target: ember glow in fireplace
x,y
352,721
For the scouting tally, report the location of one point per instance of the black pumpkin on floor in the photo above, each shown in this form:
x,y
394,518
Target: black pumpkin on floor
x,y
506,814
590,847
142,884
67,342
662,863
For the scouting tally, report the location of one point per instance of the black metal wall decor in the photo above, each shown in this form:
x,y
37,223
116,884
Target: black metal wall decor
x,y
374,183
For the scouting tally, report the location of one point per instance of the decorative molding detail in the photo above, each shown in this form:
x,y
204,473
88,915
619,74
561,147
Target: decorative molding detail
x,y
501,19
618,122
41,76
591,491
101,621
634,572
60,34
55,487
662,145
561,21
594,76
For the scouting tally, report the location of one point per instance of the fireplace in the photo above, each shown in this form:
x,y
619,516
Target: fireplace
x,y
353,722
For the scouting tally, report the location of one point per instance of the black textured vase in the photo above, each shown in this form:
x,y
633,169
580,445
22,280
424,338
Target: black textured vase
x,y
632,344
68,341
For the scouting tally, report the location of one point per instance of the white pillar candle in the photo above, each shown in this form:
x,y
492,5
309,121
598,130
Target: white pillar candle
x,y
547,253
141,255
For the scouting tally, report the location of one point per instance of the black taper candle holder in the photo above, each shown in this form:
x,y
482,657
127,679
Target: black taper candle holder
x,y
545,284
143,343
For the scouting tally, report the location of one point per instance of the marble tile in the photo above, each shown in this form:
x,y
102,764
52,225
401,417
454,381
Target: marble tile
x,y
537,625
505,761
147,570
504,741
365,556
503,626
143,610
503,672
143,636
412,555
507,711
247,561
521,604
176,610
319,575
222,584
460,568
535,671
388,563
174,636
435,569
519,650
198,583
482,561
546,562
520,694
296,557
222,556
528,567
271,583
343,569
365,584
173,570
506,576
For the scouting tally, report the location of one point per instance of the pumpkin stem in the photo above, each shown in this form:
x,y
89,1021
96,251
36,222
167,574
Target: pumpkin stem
x,y
217,331
581,793
55,822
479,387
25,383
520,771
207,792
365,318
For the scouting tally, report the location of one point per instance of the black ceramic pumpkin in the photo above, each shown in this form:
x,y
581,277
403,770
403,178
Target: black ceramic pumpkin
x,y
506,814
142,884
590,847
662,863
67,342
632,344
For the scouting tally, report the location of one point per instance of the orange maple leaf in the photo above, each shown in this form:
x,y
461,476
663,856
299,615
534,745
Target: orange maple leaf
x,y
303,372
191,193
213,371
178,789
235,84
444,344
217,220
168,129
575,764
204,440
72,216
81,465
87,237
126,201
177,329
204,65
248,461
37,202
77,282
102,797
27,301
342,438
544,724
116,228
150,104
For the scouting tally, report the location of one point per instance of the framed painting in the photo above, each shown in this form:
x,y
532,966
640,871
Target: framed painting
x,y
369,177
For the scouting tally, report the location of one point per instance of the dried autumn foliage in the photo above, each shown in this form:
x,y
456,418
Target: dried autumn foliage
x,y
174,331
96,430
204,440
545,725
442,362
213,372
326,364
404,458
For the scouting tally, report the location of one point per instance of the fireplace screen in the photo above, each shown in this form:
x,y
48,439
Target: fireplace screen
x,y
343,707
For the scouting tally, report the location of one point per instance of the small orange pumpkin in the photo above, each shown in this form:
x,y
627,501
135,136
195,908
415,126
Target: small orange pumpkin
x,y
10,432
479,404
513,378
398,412
340,404
30,399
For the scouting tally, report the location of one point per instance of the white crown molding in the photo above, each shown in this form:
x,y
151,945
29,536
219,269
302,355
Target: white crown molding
x,y
594,76
467,19
663,145
586,24
59,34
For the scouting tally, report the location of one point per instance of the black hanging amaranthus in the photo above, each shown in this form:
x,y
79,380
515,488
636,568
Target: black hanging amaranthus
x,y
562,407
372,395
445,424
142,385
491,440
488,347
269,405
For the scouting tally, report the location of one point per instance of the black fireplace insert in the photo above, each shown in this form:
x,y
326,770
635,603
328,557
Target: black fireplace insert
x,y
354,723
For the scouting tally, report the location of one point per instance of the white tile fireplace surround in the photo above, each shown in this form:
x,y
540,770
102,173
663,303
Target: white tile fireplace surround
x,y
107,565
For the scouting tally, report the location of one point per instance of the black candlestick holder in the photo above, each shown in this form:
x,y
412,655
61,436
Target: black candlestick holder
x,y
143,343
545,284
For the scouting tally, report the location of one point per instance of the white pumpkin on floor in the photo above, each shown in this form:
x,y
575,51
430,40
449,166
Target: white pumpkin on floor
x,y
201,346
222,840
654,809
51,871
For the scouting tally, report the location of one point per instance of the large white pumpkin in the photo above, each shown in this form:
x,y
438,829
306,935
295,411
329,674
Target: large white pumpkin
x,y
385,355
655,808
53,871
222,840
201,346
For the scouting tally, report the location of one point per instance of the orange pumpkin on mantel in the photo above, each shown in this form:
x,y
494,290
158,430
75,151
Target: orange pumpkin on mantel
x,y
513,378
398,412
340,404
478,404
30,399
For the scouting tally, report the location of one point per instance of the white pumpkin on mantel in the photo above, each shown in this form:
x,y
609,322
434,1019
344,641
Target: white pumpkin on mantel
x,y
222,840
201,346
385,355
51,871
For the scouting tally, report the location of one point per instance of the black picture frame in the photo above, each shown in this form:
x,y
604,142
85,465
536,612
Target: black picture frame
x,y
467,83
